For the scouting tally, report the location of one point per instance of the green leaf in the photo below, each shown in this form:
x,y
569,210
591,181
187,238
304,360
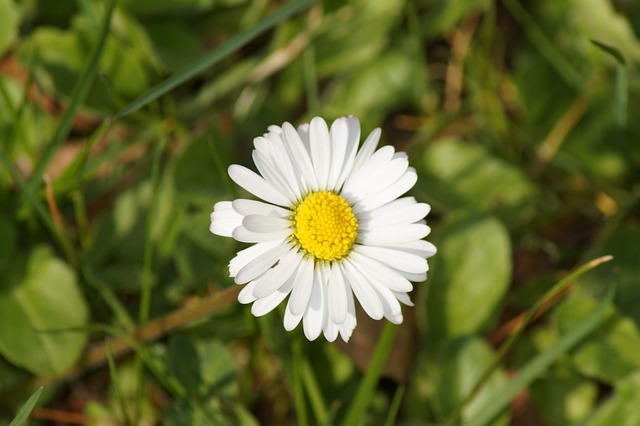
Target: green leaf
x,y
470,277
26,409
612,352
8,24
47,298
563,398
183,363
364,395
623,408
456,369
468,174
600,21
219,375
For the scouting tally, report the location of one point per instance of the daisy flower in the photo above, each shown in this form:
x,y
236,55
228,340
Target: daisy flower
x,y
331,227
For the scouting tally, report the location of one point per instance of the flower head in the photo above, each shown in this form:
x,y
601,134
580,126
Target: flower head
x,y
332,226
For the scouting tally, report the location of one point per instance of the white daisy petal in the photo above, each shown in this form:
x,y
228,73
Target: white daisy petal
x,y
303,131
291,320
396,259
244,257
384,274
275,277
379,218
243,235
330,329
265,224
224,219
352,147
391,192
314,315
260,264
271,174
283,164
416,278
247,207
339,138
368,147
420,248
337,295
246,294
255,184
363,291
353,188
393,234
347,327
403,298
302,290
390,305
267,304
303,167
320,150
383,178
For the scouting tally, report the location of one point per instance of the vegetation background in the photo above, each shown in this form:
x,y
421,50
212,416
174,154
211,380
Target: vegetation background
x,y
118,120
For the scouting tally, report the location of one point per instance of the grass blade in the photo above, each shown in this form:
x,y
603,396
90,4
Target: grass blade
x,y
551,295
78,95
367,387
26,409
314,393
547,48
621,84
298,385
217,54
540,363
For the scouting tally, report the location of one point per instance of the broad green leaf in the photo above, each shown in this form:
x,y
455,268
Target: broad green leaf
x,y
470,275
600,21
183,363
217,367
612,352
8,24
456,369
623,408
563,398
47,298
469,174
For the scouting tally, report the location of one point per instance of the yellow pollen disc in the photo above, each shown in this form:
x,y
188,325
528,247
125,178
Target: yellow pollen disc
x,y
325,226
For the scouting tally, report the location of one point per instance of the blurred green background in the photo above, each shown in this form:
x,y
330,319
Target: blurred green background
x,y
520,117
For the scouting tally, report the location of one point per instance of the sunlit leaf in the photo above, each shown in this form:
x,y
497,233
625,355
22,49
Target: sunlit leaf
x,y
468,174
471,273
38,308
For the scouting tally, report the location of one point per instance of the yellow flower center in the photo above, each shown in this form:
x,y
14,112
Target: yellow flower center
x,y
325,226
